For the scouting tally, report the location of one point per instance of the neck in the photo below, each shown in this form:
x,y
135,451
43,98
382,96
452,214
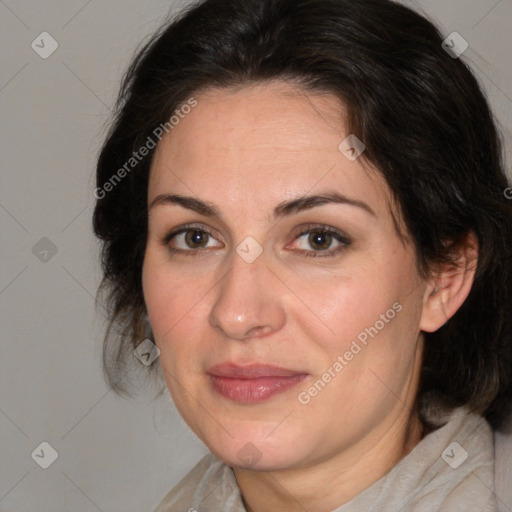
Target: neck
x,y
327,484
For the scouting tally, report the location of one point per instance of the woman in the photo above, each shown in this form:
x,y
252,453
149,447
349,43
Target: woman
x,y
303,204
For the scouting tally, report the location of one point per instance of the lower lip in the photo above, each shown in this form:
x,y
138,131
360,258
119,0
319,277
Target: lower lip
x,y
254,390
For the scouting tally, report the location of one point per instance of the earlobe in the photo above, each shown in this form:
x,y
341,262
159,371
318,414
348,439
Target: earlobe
x,y
450,286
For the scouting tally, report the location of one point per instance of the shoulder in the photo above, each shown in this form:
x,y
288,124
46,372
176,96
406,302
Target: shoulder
x,y
209,478
459,475
450,470
503,465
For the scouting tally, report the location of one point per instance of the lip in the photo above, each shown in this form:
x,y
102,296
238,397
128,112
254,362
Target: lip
x,y
252,383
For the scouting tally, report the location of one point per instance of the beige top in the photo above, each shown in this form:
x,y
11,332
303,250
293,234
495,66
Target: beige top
x,y
449,470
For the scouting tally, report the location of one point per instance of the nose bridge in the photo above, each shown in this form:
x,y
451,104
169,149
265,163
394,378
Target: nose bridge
x,y
246,303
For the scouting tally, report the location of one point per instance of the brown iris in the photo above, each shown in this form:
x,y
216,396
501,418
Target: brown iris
x,y
319,240
196,239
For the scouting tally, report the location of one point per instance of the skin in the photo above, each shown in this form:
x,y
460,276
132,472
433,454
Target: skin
x,y
246,151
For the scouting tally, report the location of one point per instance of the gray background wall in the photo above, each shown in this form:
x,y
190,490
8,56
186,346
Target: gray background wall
x,y
113,454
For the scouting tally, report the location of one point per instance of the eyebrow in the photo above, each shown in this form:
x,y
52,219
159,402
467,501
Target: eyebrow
x,y
281,210
307,202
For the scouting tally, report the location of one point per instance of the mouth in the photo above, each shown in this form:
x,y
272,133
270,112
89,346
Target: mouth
x,y
252,383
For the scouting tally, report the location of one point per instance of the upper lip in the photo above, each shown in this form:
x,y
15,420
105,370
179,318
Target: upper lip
x,y
250,371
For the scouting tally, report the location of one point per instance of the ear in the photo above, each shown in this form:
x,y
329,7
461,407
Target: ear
x,y
450,285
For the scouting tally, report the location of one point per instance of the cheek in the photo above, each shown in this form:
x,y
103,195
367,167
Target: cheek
x,y
380,345
370,358
370,317
343,306
178,307
167,298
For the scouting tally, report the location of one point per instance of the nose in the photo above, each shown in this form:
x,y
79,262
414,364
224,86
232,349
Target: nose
x,y
247,305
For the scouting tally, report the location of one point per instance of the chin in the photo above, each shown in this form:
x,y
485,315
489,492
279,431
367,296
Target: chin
x,y
251,450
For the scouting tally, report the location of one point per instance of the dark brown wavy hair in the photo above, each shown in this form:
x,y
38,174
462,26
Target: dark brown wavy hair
x,y
426,126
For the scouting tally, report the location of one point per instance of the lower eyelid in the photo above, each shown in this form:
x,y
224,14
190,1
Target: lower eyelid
x,y
321,254
325,254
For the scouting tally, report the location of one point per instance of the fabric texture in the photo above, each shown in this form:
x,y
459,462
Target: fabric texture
x,y
450,470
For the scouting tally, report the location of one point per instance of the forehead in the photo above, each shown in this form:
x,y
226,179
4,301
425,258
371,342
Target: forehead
x,y
261,145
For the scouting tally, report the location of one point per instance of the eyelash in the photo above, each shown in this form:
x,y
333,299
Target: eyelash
x,y
310,228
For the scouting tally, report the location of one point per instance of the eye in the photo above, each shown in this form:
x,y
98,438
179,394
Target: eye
x,y
320,239
190,239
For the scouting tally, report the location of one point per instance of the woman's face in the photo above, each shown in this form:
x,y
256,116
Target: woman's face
x,y
273,253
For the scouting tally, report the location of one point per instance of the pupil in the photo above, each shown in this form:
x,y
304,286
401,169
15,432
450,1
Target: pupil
x,y
320,240
196,238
